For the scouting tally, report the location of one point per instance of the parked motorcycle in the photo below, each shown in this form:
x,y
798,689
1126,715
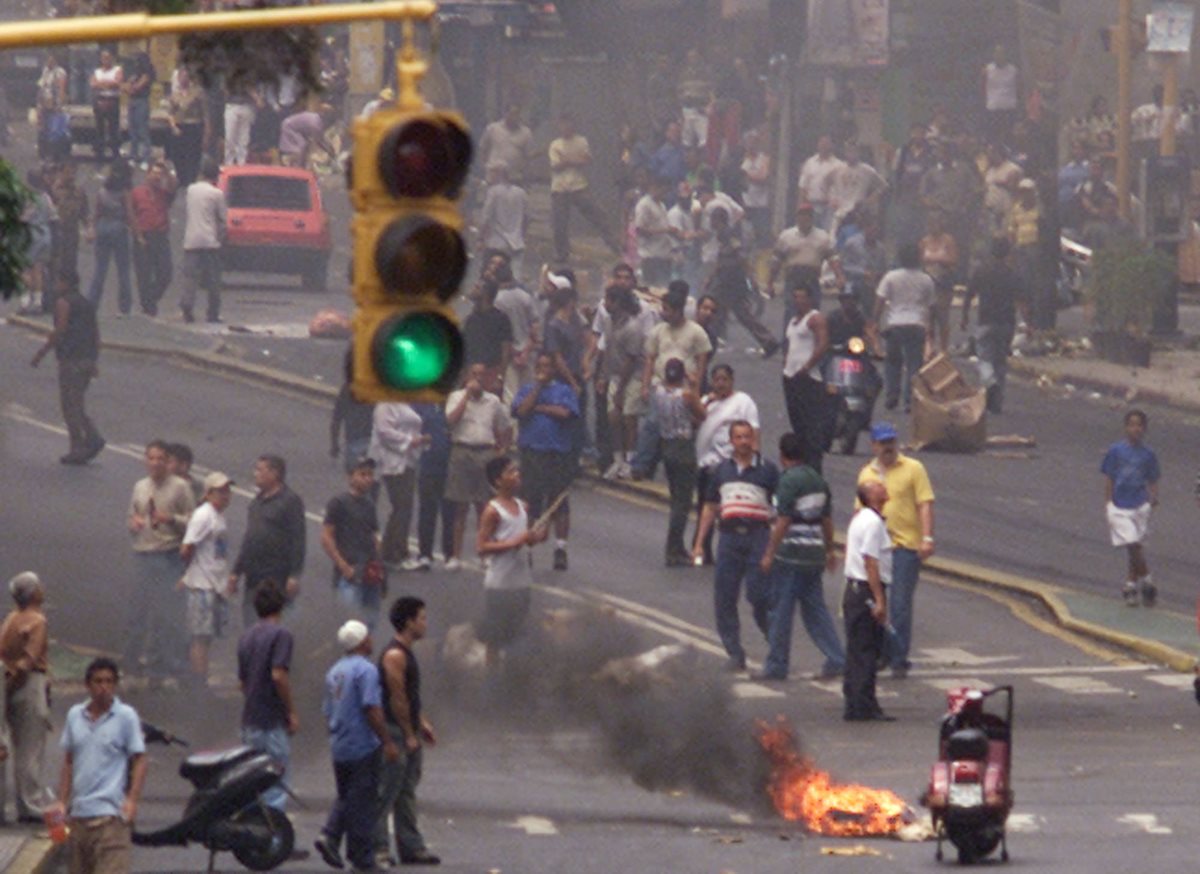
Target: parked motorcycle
x,y
970,794
850,374
226,811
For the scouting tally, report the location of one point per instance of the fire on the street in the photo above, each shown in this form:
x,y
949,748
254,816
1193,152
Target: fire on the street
x,y
803,793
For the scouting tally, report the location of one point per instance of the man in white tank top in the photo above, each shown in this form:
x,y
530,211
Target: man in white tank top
x,y
808,404
1001,95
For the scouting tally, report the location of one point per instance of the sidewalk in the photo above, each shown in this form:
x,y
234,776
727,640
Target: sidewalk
x,y
268,344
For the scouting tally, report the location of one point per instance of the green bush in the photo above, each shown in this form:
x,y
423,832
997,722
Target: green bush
x,y
14,232
1128,279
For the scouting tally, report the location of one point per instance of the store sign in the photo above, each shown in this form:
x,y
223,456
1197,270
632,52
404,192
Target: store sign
x,y
1169,26
847,33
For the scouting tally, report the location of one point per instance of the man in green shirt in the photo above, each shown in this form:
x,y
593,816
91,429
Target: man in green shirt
x,y
800,549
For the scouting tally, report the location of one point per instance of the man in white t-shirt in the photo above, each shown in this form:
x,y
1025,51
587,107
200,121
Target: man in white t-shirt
x,y
904,301
655,235
206,551
815,176
864,605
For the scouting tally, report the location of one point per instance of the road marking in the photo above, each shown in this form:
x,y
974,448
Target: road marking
x,y
1024,823
1173,681
834,687
1079,685
945,684
653,613
750,691
534,825
1146,822
1050,670
954,656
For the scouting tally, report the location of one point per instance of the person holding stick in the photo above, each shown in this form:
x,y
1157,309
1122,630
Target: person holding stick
x,y
504,534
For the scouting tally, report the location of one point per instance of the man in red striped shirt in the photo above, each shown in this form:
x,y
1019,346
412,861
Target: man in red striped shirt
x,y
739,495
151,203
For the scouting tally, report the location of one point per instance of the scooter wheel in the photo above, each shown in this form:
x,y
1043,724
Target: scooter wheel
x,y
273,838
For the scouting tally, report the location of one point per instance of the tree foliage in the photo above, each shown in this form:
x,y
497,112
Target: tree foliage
x,y
14,232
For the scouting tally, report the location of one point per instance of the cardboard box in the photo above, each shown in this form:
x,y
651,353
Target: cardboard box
x,y
947,412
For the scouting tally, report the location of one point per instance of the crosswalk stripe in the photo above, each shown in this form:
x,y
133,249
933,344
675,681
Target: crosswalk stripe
x,y
756,690
945,684
1173,681
1025,823
1079,685
1146,822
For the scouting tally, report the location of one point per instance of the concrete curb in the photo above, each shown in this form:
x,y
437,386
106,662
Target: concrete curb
x,y
1027,367
37,855
961,571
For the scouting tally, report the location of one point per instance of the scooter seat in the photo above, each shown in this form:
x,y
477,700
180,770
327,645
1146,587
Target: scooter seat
x,y
967,744
203,767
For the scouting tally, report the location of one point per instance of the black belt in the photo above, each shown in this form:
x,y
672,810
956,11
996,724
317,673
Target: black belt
x,y
475,445
742,527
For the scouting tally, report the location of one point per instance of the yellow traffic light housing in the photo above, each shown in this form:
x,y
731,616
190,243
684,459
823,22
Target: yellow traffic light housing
x,y
407,172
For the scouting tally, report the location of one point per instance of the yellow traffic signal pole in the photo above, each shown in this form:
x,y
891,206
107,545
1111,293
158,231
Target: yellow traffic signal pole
x,y
142,25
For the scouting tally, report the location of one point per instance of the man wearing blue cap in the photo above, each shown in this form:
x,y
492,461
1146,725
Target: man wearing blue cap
x,y
910,524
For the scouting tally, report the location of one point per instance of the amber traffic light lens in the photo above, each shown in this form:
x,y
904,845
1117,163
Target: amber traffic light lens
x,y
417,254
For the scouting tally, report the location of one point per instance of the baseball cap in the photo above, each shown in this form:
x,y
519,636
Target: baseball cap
x,y
559,282
216,480
882,431
351,634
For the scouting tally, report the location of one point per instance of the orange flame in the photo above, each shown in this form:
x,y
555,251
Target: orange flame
x,y
803,793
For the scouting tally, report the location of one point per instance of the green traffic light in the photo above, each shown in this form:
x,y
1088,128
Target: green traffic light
x,y
416,351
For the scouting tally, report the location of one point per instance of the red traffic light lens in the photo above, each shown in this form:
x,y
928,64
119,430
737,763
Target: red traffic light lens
x,y
416,255
424,158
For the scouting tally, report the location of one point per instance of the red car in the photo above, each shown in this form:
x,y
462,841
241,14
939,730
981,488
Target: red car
x,y
276,223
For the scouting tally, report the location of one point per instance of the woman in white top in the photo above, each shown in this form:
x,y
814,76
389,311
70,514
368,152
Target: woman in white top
x,y
106,104
722,407
904,300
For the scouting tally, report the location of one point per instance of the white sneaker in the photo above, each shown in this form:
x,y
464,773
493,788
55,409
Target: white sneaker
x,y
625,471
453,564
410,564
614,470
424,563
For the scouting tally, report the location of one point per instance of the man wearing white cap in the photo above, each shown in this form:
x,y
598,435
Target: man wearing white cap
x,y
353,708
205,549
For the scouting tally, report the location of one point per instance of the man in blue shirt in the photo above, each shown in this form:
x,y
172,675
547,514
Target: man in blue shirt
x,y
546,410
104,753
739,494
353,708
1131,477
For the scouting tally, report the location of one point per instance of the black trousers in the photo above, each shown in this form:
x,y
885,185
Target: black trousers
x,y
431,505
810,411
356,808
864,643
152,267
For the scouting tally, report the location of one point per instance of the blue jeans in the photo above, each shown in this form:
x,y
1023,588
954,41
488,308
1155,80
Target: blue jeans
x,y
276,744
739,551
138,110
646,452
905,351
156,614
356,808
112,241
906,567
398,798
361,600
792,584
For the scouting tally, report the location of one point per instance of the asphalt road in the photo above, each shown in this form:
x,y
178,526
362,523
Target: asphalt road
x,y
534,774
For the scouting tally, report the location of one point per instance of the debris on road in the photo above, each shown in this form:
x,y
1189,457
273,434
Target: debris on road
x,y
856,850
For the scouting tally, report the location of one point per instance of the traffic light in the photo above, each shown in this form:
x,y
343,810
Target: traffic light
x,y
406,175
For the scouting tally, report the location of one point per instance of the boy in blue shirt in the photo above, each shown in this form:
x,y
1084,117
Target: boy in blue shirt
x,y
1131,477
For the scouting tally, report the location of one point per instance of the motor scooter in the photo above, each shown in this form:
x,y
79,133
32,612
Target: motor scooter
x,y
851,376
970,794
226,811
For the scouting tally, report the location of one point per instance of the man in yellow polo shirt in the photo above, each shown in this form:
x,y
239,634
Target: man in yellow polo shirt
x,y
909,516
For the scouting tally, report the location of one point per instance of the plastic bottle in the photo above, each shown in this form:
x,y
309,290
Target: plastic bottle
x,y
56,823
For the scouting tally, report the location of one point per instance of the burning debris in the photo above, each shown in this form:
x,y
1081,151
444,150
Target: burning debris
x,y
803,793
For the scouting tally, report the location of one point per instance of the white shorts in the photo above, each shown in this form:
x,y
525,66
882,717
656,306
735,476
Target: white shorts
x,y
1128,527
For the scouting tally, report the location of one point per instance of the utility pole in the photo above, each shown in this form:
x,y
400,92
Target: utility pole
x,y
1124,102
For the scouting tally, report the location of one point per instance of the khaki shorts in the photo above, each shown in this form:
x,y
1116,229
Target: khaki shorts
x,y
630,403
466,477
